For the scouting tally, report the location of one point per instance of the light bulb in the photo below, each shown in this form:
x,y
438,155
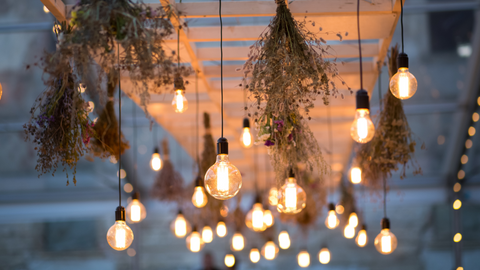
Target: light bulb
x,y
291,197
349,231
180,226
45,9
135,210
362,237
362,129
229,260
254,218
246,139
238,242
353,219
120,236
269,250
356,175
194,241
386,241
284,240
179,102
324,256
457,204
403,84
207,234
273,196
254,255
221,229
268,219
156,161
303,259
199,197
331,221
223,180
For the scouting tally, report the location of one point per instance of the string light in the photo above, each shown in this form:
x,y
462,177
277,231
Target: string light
x,y
156,161
268,219
356,175
254,255
332,221
136,211
349,231
471,131
180,226
207,234
269,250
464,159
461,174
284,240
303,259
221,229
229,260
353,219
457,204
339,209
362,237
199,197
238,242
45,9
194,241
246,138
324,256
291,197
468,144
254,218
457,238
179,102
475,117
273,196
457,187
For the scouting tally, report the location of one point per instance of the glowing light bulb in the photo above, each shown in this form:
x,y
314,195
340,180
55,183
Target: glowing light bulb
x,y
179,102
291,197
254,255
362,129
349,231
353,219
229,260
339,209
324,256
332,221
386,241
457,238
246,139
136,210
268,219
254,217
269,250
238,242
457,204
199,197
403,84
120,236
284,240
362,237
207,234
194,241
180,226
356,175
303,259
221,229
273,196
45,9
156,161
223,180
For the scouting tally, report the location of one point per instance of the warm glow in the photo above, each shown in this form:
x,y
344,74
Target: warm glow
x,y
303,259
403,84
324,256
464,159
457,204
199,197
468,144
229,260
362,238
292,197
207,234
257,217
268,219
221,229
270,250
461,174
475,117
119,236
385,242
471,131
353,219
195,242
45,9
273,196
459,268
246,137
156,162
128,187
340,209
180,226
457,187
254,255
238,242
356,175
362,129
179,102
332,221
457,238
223,180
349,231
135,211
284,240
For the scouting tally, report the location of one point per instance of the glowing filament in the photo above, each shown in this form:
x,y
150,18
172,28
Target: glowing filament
x,y
120,238
291,198
356,175
180,227
403,85
222,177
195,243
386,243
246,137
136,213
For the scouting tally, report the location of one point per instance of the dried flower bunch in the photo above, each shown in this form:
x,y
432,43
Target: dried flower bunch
x,y
393,146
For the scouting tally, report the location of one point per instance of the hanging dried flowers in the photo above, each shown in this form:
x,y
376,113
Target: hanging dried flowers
x,y
393,146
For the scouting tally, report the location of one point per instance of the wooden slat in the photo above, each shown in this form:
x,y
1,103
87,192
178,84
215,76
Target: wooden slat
x,y
57,8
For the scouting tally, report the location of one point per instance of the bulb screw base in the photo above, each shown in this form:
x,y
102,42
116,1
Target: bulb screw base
x,y
120,213
246,123
156,150
178,83
385,223
331,207
362,99
291,174
222,146
258,198
199,181
364,227
136,196
194,229
402,60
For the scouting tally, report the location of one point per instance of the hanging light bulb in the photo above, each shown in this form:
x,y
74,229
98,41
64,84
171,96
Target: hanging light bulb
x,y
207,234
135,210
238,242
291,197
254,217
356,175
199,197
362,129
403,84
332,221
284,240
254,255
386,241
229,260
349,231
269,250
362,238
353,219
180,226
246,138
120,236
156,161
179,102
303,259
268,219
221,229
223,180
273,196
45,9
324,256
194,241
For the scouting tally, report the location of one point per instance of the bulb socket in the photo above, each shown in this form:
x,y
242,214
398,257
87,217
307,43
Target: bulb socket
x,y
402,60
120,213
291,174
178,83
136,196
222,146
364,227
258,198
385,223
194,229
246,123
362,99
199,181
331,207
156,150
180,212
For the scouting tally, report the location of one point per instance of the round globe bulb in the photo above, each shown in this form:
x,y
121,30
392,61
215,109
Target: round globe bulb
x,y
254,255
207,234
135,211
385,242
362,129
120,236
303,259
199,197
269,250
156,162
324,256
403,84
284,240
179,102
238,242
291,197
221,229
332,221
195,242
223,180
180,227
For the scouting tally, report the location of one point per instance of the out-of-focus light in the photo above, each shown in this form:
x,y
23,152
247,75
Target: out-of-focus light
x,y
468,144
464,50
457,187
457,238
461,174
128,187
457,204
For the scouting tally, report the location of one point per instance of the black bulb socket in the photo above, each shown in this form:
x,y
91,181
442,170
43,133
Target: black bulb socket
x,y
194,228
246,123
291,174
331,207
156,150
362,99
180,212
385,223
178,83
402,60
258,198
136,196
199,181
364,227
120,213
222,146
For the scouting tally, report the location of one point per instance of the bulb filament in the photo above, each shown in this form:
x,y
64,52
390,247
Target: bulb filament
x,y
120,238
247,137
386,244
222,177
135,213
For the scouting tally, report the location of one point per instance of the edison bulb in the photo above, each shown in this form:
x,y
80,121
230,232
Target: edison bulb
x,y
403,84
353,220
156,161
349,231
229,260
45,9
120,236
385,242
324,256
199,197
207,234
269,250
356,175
291,197
331,221
221,229
194,241
254,255
246,138
135,211
273,196
362,237
180,226
254,218
223,180
303,259
179,102
362,129
284,240
268,219
238,242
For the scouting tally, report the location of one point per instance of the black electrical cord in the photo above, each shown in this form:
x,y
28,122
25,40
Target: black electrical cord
x,y
380,85
119,130
384,197
401,22
178,48
359,44
134,115
330,142
197,121
221,59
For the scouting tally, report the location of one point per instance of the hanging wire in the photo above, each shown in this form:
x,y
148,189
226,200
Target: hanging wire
x,y
380,85
119,130
221,59
178,47
401,21
197,121
134,115
255,167
330,142
359,44
384,196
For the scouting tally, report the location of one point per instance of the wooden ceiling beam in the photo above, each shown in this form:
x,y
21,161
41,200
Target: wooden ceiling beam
x,y
57,8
